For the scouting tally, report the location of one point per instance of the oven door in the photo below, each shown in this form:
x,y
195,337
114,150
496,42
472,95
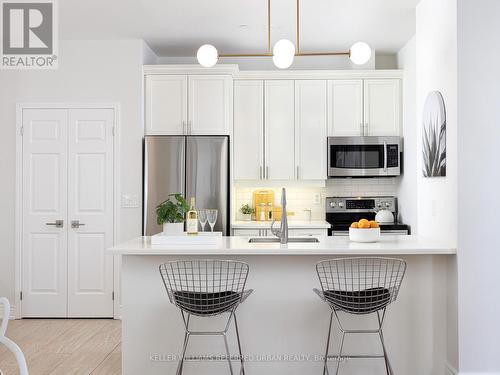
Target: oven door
x,y
364,156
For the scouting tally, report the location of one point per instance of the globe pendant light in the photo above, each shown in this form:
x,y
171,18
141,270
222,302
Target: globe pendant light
x,y
207,55
283,53
360,53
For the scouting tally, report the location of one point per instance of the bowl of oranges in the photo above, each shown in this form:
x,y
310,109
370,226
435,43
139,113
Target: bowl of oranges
x,y
364,231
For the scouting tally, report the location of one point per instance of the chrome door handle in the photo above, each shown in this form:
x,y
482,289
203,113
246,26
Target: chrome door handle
x,y
385,156
57,223
76,224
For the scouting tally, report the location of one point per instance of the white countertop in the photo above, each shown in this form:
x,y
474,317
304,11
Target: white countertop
x,y
388,245
292,224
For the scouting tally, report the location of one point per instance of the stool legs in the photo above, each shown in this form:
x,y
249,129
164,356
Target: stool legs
x,y
223,333
344,332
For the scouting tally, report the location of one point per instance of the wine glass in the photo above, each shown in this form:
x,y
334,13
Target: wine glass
x,y
202,216
212,218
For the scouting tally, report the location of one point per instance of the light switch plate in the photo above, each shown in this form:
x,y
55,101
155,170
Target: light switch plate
x,y
130,201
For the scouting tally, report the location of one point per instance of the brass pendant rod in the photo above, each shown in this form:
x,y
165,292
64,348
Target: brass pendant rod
x,y
269,52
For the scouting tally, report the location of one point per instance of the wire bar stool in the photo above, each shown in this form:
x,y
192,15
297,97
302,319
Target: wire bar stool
x,y
359,286
206,288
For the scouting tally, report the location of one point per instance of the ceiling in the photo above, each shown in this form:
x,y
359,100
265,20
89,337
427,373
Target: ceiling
x,y
179,27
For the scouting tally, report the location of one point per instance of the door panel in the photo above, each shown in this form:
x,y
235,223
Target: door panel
x,y
164,174
44,182
207,176
210,104
248,130
310,129
280,129
382,107
345,107
90,202
166,104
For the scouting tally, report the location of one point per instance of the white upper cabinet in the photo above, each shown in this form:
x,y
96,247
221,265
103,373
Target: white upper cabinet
x,y
248,130
280,129
311,129
345,107
166,104
188,104
210,104
382,107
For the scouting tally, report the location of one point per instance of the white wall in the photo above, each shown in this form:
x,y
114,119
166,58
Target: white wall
x,y
407,183
89,71
478,178
436,56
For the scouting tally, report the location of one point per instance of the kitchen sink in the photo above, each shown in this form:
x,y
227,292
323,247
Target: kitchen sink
x,y
290,240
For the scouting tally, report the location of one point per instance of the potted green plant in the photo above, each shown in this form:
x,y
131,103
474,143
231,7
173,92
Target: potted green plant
x,y
171,213
246,212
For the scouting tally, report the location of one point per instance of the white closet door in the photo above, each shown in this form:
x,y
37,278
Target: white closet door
x,y
90,203
44,284
280,129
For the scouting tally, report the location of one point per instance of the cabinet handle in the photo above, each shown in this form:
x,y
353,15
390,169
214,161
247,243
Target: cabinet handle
x,y
190,127
361,129
366,129
297,172
260,173
184,128
267,172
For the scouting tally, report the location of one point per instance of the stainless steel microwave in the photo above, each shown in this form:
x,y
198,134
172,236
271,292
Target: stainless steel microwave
x,y
364,156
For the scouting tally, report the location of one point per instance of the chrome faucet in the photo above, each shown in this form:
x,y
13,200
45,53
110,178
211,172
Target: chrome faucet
x,y
282,233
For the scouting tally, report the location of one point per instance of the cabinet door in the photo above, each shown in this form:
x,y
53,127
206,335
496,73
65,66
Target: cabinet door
x,y
310,129
248,132
166,104
308,232
210,104
382,107
280,133
345,107
247,232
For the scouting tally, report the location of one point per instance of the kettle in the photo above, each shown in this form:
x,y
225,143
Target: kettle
x,y
384,216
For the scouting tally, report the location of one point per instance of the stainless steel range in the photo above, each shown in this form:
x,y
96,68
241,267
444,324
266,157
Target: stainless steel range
x,y
342,211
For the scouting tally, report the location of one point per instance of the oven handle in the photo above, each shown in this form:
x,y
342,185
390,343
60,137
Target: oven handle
x,y
385,156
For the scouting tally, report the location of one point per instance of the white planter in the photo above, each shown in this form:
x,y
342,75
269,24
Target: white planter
x,y
246,217
173,229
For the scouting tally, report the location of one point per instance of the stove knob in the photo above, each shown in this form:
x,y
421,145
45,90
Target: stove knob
x,y
387,204
379,205
341,204
332,204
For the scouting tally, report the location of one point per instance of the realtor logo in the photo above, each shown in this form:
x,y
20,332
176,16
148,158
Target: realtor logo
x,y
28,34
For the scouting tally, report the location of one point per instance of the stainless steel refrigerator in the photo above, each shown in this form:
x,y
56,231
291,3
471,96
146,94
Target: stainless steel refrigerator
x,y
195,166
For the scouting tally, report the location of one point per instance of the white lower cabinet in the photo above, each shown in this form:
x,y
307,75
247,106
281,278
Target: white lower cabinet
x,y
291,232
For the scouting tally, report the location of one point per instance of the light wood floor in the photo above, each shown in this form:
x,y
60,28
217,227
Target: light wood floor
x,y
65,347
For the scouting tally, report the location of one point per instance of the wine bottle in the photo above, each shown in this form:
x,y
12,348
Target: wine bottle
x,y
192,219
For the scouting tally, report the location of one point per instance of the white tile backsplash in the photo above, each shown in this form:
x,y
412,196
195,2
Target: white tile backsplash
x,y
302,198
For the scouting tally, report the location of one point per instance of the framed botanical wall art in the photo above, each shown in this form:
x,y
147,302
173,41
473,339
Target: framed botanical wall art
x,y
434,136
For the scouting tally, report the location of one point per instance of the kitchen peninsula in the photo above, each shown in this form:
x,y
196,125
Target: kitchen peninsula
x,y
283,318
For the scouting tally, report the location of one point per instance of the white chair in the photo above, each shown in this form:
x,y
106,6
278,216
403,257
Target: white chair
x,y
11,345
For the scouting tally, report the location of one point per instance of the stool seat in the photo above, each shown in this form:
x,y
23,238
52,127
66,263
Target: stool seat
x,y
365,301
200,303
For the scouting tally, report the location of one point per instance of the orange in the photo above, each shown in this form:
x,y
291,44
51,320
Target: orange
x,y
374,224
363,223
355,225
